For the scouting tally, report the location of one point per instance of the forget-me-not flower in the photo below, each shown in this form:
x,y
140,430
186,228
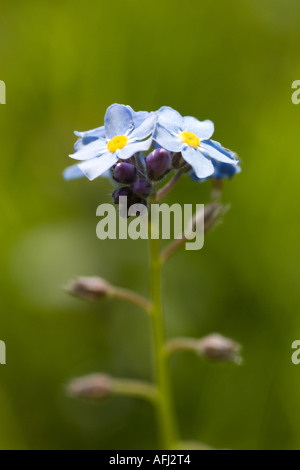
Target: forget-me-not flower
x,y
124,133
225,170
193,139
221,170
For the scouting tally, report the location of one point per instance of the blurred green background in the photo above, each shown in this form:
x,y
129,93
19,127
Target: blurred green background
x,y
63,64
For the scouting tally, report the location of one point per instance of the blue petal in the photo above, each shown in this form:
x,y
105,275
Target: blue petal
x,y
225,170
98,132
202,129
221,148
144,130
157,146
118,120
72,173
84,141
222,170
131,149
166,140
170,119
97,166
201,165
138,116
92,150
198,180
215,150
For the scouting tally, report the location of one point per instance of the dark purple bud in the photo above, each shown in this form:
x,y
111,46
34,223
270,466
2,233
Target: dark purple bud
x,y
124,172
141,188
159,161
142,202
121,192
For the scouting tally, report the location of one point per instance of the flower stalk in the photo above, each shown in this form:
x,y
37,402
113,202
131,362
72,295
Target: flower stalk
x,y
214,347
213,213
168,187
131,297
97,387
164,405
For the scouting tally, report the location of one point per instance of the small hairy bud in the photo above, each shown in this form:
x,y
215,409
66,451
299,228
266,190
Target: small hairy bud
x,y
158,162
89,288
126,192
141,188
93,386
178,161
219,348
125,173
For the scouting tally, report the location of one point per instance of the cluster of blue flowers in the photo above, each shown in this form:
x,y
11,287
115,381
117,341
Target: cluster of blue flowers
x,y
117,150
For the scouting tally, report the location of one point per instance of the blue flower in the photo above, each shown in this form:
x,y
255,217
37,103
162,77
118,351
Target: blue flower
x,y
221,171
124,133
224,170
193,139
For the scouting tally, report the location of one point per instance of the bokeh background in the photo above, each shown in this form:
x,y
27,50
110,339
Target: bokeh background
x,y
63,64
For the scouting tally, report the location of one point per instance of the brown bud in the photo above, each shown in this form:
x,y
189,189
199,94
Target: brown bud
x,y
89,288
94,387
219,348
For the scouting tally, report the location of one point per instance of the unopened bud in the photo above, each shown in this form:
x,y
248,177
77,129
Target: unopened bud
x,y
125,192
159,162
89,288
141,188
178,161
124,173
218,348
93,387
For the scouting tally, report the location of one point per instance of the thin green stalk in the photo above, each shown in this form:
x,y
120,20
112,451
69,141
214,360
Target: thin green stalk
x,y
164,403
135,388
130,296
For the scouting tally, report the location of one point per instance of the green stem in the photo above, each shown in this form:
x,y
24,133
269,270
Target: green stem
x,y
130,296
164,404
135,388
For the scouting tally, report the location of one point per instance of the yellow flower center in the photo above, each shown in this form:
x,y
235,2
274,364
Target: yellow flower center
x,y
117,143
190,138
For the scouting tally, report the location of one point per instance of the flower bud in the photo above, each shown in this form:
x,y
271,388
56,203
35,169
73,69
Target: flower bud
x,y
219,348
89,288
121,192
141,188
94,387
124,173
159,162
178,161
